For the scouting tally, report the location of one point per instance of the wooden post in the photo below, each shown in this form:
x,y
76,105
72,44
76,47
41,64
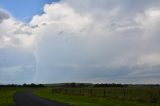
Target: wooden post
x,y
91,92
104,93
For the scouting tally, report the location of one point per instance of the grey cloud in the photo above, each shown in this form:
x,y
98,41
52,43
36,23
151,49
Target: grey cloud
x,y
35,26
17,74
3,15
19,31
16,66
24,29
106,49
14,56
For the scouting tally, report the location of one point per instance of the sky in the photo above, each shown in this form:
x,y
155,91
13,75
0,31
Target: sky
x,y
55,41
24,10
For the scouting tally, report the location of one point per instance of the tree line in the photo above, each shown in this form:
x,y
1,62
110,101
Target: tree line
x,y
23,85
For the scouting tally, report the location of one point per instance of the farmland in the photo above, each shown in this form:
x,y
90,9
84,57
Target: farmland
x,y
110,96
89,95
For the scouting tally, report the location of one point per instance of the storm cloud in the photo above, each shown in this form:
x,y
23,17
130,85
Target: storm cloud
x,y
86,41
3,15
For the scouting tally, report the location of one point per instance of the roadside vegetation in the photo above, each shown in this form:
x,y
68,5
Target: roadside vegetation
x,y
7,92
6,96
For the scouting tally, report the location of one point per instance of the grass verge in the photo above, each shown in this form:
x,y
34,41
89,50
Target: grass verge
x,y
6,96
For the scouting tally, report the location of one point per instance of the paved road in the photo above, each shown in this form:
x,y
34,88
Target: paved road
x,y
28,99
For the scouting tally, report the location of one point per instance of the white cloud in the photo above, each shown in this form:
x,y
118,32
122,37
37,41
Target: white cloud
x,y
16,50
91,41
150,59
62,15
15,34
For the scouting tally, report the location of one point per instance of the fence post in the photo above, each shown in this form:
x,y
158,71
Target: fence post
x,y
80,92
91,92
65,91
153,98
124,93
104,93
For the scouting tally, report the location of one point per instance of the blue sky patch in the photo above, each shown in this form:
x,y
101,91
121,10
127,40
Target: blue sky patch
x,y
24,9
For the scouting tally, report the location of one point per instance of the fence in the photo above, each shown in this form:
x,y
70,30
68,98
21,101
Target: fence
x,y
147,95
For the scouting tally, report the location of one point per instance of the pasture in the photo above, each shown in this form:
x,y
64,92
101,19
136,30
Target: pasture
x,y
110,96
89,96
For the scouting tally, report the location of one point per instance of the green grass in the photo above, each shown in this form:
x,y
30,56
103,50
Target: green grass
x,y
137,94
78,100
6,96
91,96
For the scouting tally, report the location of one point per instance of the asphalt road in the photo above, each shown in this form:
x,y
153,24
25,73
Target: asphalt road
x,y
28,99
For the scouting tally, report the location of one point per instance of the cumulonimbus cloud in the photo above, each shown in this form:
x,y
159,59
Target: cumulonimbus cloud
x,y
100,41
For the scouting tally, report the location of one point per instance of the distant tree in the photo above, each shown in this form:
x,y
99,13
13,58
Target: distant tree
x,y
24,85
41,85
32,85
73,84
110,85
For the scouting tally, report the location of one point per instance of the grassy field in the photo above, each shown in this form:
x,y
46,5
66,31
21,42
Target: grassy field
x,y
103,96
6,96
88,96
